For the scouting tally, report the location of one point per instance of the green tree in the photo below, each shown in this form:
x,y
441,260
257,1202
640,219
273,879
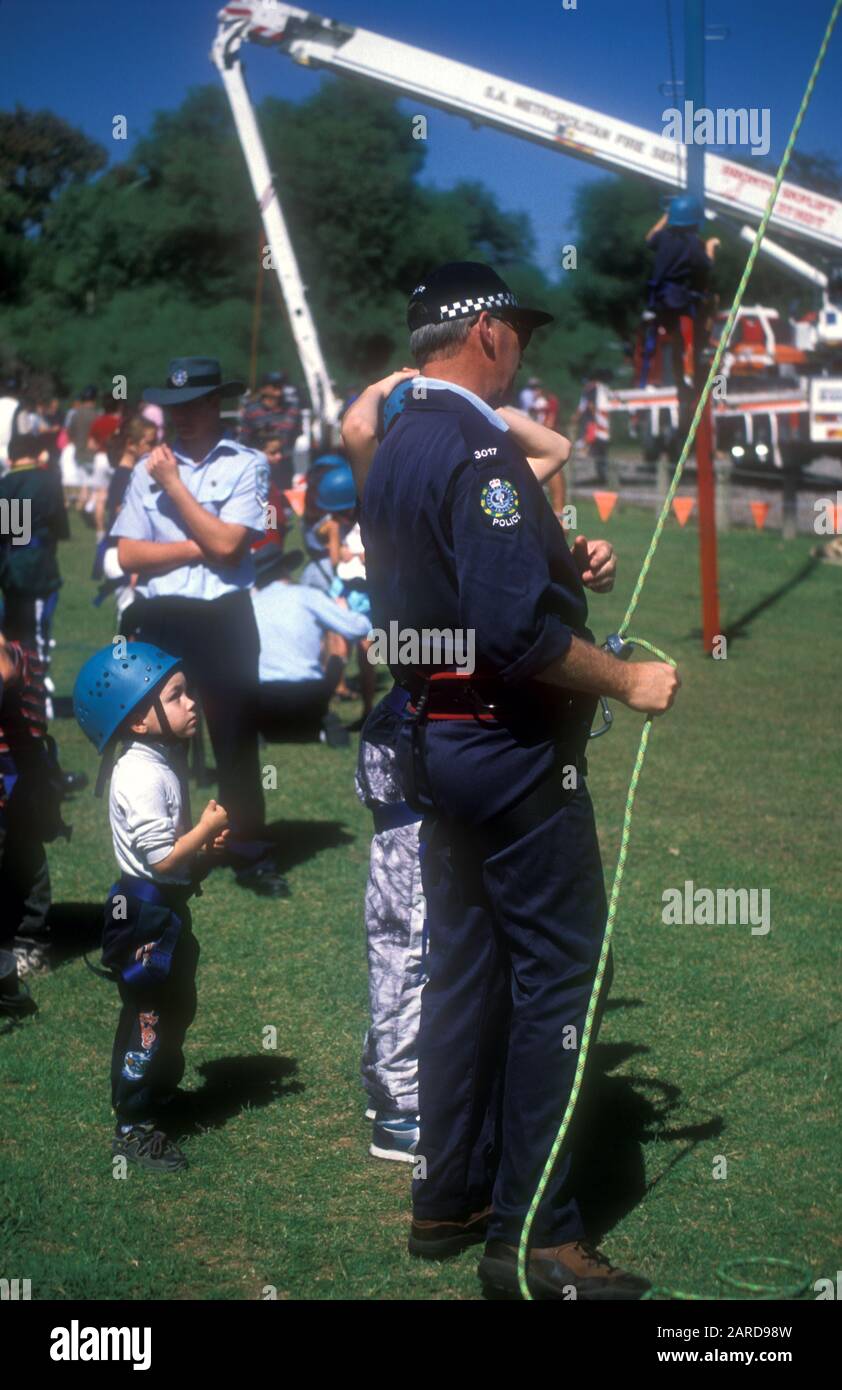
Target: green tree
x,y
173,244
40,156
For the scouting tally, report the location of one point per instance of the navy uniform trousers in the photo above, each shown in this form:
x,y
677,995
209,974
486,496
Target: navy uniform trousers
x,y
218,642
147,1060
515,924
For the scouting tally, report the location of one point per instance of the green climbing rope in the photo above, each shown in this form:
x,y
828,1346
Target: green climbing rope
x,y
795,1288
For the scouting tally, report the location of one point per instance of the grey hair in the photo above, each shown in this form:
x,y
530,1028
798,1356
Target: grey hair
x,y
440,339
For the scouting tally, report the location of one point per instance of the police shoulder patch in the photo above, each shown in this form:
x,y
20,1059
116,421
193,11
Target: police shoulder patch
x,y
262,480
500,504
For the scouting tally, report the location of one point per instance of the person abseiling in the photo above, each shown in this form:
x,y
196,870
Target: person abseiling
x,y
459,535
188,519
138,693
677,289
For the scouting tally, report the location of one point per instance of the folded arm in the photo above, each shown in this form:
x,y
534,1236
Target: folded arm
x,y
360,423
184,849
220,542
150,558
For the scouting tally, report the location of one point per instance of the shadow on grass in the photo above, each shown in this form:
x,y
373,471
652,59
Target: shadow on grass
x,y
229,1086
297,841
739,627
772,1057
614,1118
75,928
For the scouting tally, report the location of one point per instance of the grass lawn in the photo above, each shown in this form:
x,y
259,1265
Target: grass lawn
x,y
716,1042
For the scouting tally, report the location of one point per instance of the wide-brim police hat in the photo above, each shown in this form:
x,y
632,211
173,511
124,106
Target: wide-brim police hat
x,y
189,378
461,288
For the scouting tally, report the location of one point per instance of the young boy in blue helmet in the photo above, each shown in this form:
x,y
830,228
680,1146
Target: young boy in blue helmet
x,y
137,692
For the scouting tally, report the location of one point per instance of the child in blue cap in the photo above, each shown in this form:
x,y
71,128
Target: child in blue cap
x,y
137,692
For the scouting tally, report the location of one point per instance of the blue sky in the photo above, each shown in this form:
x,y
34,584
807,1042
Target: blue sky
x,y
89,59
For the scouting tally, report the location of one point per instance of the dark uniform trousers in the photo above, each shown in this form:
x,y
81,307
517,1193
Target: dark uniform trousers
x,y
515,925
30,812
218,641
147,1060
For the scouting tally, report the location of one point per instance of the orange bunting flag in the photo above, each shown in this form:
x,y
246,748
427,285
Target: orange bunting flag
x,y
605,503
682,506
295,496
760,511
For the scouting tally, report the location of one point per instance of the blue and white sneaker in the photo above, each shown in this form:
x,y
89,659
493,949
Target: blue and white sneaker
x,y
394,1137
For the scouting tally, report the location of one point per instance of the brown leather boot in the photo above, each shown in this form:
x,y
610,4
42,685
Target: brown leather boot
x,y
574,1270
436,1240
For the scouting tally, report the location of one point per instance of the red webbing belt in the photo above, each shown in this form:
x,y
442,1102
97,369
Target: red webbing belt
x,y
450,696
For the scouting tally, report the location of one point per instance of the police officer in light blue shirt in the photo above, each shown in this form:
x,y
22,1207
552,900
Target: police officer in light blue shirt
x,y
189,518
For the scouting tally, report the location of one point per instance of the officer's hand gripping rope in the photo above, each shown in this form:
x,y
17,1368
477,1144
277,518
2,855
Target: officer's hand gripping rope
x,y
620,647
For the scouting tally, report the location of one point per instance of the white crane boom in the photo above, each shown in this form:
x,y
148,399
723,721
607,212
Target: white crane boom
x,y
792,262
225,54
485,99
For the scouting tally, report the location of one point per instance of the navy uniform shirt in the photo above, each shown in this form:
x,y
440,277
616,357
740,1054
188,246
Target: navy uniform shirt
x,y
682,268
458,534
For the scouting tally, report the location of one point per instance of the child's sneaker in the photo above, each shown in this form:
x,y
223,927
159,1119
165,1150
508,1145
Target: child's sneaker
x,y
148,1147
394,1137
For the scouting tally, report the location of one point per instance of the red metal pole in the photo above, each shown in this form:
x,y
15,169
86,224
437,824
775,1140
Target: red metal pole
x,y
694,92
707,528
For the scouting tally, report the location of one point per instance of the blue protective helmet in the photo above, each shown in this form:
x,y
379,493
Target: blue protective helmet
x,y
326,461
395,402
335,490
109,687
685,211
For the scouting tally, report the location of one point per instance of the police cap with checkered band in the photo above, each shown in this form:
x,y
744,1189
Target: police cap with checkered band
x,y
461,288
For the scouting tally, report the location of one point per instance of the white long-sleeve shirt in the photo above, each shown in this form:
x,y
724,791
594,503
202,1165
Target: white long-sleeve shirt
x,y
149,808
292,620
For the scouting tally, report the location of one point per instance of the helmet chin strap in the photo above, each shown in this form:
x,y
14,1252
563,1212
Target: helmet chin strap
x,y
106,765
166,731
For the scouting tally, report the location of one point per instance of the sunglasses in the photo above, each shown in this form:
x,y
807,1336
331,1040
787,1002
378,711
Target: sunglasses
x,y
523,334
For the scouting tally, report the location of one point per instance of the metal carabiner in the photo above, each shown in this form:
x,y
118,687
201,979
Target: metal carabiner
x,y
619,647
607,719
487,708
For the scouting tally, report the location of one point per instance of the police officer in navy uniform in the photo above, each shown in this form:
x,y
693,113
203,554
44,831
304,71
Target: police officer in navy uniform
x,y
188,520
458,534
